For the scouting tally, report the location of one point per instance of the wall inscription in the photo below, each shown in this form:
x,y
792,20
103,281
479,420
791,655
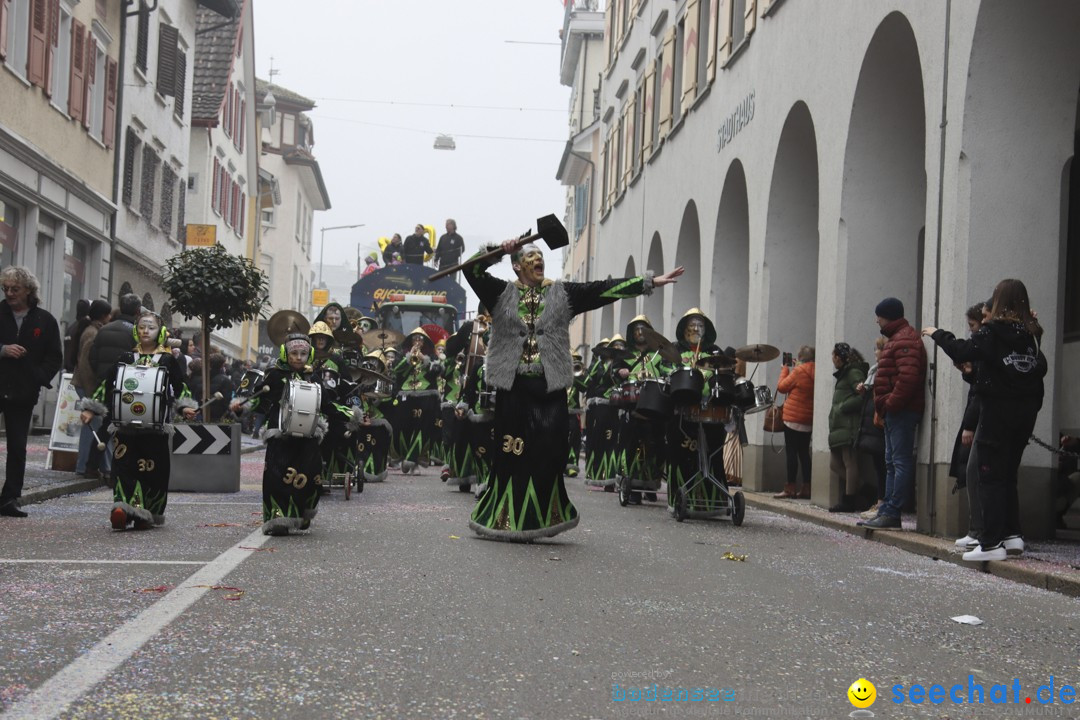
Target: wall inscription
x,y
735,121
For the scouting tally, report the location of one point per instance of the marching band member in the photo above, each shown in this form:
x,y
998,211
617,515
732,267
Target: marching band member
x,y
458,454
293,469
640,440
576,408
695,337
602,436
477,405
528,362
336,448
375,434
417,406
141,454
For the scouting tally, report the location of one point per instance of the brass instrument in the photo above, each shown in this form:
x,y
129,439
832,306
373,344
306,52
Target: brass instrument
x,y
477,349
579,369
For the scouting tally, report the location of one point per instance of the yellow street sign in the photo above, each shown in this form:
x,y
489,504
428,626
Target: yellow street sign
x,y
320,297
201,235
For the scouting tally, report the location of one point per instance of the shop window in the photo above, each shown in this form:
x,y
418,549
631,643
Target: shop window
x,y
76,252
9,226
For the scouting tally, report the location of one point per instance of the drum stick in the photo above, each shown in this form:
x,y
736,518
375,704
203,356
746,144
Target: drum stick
x,y
217,396
245,401
100,445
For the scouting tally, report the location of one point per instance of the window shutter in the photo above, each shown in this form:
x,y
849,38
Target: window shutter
x,y
216,190
234,206
131,147
727,9
620,22
148,184
710,64
39,39
53,40
142,41
168,40
181,83
100,8
90,77
226,118
667,82
242,125
243,211
77,86
628,140
608,44
751,17
108,124
3,28
689,59
236,118
613,162
181,213
647,111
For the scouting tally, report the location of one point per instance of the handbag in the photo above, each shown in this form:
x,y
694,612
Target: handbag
x,y
774,419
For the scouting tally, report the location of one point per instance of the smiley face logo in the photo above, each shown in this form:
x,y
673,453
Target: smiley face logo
x,y
862,693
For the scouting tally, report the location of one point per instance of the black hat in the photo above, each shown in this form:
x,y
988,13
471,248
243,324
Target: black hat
x,y
99,310
890,308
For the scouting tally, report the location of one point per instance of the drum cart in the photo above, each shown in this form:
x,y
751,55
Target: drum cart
x,y
732,504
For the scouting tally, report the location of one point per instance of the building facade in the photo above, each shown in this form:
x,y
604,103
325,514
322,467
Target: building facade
x,y
803,162
287,225
224,153
59,83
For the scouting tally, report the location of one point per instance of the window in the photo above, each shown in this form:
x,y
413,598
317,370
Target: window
x,y
267,215
88,115
676,85
181,84
181,214
60,70
638,125
76,253
131,154
299,214
18,35
226,117
704,37
738,23
217,186
95,104
148,186
581,208
657,101
288,130
168,45
142,40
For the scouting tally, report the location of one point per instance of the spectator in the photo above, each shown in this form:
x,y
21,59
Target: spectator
x,y
872,431
451,246
394,246
416,247
194,382
114,340
30,355
797,382
965,465
219,383
1009,383
371,264
844,419
899,398
91,460
74,333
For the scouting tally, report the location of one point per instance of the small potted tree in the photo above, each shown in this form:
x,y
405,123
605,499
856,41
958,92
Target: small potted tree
x,y
219,290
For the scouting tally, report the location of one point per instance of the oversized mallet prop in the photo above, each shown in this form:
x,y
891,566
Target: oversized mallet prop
x,y
245,401
100,445
217,396
548,229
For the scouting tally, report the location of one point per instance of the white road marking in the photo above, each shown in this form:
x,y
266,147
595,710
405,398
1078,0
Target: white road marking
x,y
64,688
59,561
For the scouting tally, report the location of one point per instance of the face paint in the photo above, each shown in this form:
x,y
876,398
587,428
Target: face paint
x,y
695,329
531,263
148,331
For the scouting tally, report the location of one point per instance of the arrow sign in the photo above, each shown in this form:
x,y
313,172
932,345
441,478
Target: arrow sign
x,y
201,440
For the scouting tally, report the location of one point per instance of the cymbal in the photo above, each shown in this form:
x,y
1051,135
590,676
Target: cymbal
x,y
757,353
363,373
656,342
610,353
382,338
347,338
285,322
716,362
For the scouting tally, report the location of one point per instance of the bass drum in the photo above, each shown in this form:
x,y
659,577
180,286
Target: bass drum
x,y
248,381
140,397
300,408
723,390
744,394
686,385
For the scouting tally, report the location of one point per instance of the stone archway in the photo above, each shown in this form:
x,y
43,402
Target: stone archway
x,y
687,292
731,260
883,205
627,309
791,238
654,304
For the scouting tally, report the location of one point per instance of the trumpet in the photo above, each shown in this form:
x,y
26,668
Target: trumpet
x,y
579,369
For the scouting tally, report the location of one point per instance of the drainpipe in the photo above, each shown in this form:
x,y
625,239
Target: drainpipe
x,y
589,210
931,484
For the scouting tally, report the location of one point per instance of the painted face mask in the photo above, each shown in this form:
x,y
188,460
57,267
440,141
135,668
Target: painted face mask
x,y
531,263
695,329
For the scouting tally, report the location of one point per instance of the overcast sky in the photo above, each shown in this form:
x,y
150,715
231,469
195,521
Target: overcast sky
x,y
383,73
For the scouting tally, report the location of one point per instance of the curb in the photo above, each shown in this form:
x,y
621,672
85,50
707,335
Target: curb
x,y
925,545
61,489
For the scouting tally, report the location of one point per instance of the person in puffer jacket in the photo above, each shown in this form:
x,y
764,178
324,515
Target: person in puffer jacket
x,y
899,397
1009,372
797,382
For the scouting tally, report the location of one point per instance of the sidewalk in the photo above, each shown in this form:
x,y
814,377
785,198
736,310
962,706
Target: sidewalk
x,y
1049,564
41,484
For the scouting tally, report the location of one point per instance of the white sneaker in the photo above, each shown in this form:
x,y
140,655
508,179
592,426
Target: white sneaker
x,y
1014,545
872,512
978,554
968,542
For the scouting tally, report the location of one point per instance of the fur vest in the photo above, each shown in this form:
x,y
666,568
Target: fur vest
x,y
509,332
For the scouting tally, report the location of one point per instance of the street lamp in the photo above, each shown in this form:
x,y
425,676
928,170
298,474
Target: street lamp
x,y
322,243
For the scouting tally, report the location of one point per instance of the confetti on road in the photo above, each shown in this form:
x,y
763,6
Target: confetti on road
x,y
158,589
234,593
454,537
732,556
221,525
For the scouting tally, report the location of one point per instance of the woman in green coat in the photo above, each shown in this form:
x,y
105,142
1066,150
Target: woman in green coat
x,y
845,416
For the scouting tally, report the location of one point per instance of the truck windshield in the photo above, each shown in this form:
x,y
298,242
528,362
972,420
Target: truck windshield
x,y
405,318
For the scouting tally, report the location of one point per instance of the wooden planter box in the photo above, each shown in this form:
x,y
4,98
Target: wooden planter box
x,y
205,458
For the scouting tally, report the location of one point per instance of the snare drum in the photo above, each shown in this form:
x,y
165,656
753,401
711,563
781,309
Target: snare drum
x,y
139,397
629,394
744,394
380,389
707,415
300,408
248,381
654,400
686,386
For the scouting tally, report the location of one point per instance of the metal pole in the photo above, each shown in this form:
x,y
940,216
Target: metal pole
x,y
322,247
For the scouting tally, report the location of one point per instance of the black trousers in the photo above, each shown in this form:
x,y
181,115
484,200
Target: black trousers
x,y
17,416
1000,440
797,448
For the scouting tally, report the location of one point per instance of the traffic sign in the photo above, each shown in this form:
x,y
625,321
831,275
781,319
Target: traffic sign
x,y
320,297
201,235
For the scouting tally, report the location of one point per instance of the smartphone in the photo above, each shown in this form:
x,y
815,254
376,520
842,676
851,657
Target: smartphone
x,y
787,359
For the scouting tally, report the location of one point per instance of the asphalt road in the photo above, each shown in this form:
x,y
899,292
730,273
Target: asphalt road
x,y
391,608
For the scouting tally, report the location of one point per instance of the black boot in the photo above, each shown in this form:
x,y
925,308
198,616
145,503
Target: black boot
x,y
11,509
846,505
